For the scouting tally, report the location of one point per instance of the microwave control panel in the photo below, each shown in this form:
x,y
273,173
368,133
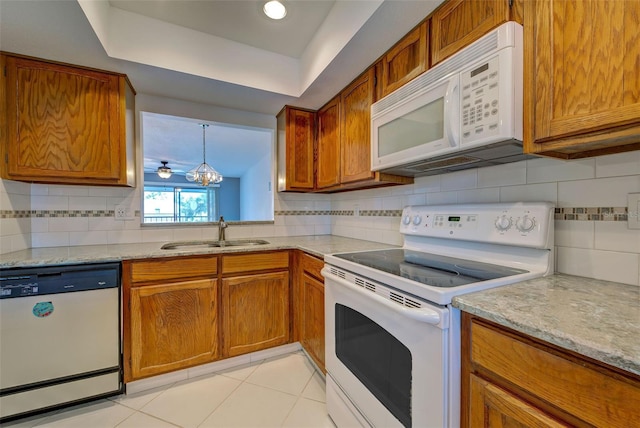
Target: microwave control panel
x,y
480,95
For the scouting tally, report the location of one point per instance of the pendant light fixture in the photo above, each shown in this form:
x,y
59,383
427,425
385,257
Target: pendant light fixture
x,y
203,173
164,171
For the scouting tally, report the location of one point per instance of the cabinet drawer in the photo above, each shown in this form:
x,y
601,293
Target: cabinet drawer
x,y
312,266
242,263
179,268
583,390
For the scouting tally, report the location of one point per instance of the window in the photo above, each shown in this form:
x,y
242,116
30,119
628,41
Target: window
x,y
165,204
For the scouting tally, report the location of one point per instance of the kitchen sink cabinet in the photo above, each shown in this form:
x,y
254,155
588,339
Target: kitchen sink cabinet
x,y
310,283
255,306
517,380
66,124
295,141
406,60
458,23
581,85
173,326
169,323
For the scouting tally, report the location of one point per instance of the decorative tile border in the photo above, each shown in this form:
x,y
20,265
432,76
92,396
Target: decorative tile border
x,y
592,214
567,214
58,213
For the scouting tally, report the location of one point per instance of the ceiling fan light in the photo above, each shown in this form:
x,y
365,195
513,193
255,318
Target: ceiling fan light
x,y
164,171
274,9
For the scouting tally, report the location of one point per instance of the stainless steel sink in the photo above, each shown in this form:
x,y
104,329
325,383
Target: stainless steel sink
x,y
207,244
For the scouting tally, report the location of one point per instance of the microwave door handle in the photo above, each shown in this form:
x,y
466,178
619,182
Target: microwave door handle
x,y
425,315
452,107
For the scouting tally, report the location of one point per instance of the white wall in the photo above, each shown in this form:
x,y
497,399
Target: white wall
x,y
256,195
602,249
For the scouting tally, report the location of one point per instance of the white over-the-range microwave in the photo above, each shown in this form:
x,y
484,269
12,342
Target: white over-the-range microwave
x,y
465,112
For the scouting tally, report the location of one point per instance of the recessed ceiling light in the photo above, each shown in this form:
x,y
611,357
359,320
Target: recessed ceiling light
x,y
274,9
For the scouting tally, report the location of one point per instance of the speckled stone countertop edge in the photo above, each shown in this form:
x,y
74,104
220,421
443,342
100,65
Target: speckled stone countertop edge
x,y
317,245
610,335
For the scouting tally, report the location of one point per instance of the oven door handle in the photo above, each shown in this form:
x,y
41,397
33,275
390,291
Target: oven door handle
x,y
424,315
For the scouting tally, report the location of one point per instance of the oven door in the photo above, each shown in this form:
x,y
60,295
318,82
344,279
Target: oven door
x,y
386,355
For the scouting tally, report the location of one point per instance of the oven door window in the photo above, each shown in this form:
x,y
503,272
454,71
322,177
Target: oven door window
x,y
377,359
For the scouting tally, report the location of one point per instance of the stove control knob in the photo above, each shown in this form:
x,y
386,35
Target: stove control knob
x,y
416,220
503,223
406,220
525,224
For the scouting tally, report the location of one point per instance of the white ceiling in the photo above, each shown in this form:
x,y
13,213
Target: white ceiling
x,y
213,52
240,20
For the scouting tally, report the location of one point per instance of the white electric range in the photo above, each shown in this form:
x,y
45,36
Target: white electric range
x,y
392,336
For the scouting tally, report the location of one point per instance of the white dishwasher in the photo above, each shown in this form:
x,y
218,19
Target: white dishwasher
x,y
59,337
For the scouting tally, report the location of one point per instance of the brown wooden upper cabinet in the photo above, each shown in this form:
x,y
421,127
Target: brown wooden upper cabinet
x,y
457,23
581,82
295,141
406,60
328,145
66,124
355,130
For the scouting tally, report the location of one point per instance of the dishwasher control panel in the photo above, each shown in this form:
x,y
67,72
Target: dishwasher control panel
x,y
18,285
58,279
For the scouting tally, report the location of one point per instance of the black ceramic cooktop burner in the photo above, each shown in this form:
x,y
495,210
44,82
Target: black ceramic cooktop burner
x,y
430,269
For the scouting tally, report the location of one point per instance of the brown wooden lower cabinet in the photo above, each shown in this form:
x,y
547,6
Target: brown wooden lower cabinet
x,y
180,312
313,319
173,326
255,312
513,380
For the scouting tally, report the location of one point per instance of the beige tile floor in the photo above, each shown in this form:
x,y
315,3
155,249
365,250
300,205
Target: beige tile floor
x,y
284,391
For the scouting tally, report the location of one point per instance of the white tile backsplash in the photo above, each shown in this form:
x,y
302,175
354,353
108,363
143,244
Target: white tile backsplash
x,y
510,174
50,239
546,192
551,170
605,265
94,237
600,249
576,234
618,165
50,203
600,192
615,236
467,179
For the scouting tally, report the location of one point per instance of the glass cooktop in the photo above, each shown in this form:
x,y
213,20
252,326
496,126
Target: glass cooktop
x,y
429,269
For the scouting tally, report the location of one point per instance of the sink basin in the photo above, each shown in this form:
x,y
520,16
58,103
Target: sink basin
x,y
208,244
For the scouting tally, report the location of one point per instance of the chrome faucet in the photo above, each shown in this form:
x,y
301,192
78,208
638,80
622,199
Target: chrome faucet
x,y
222,226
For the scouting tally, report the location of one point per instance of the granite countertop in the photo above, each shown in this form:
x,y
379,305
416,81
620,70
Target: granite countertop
x,y
598,319
317,245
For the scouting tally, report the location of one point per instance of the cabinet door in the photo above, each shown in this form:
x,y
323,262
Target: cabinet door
x,y
255,312
296,133
581,77
173,326
458,23
494,407
406,60
355,128
328,145
64,124
313,319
